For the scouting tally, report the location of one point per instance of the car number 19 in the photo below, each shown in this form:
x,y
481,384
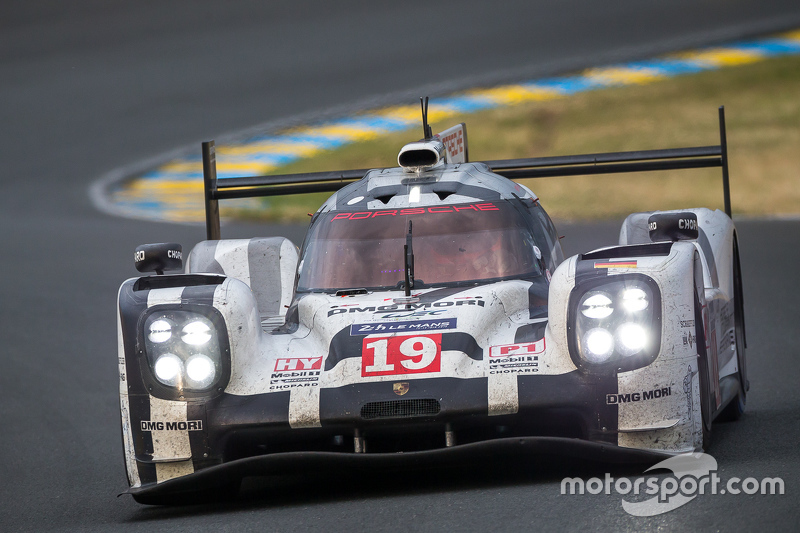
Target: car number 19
x,y
384,356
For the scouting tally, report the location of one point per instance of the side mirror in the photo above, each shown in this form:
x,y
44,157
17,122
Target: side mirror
x,y
158,257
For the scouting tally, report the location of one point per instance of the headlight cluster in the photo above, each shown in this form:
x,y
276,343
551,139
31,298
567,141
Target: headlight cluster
x,y
183,349
616,324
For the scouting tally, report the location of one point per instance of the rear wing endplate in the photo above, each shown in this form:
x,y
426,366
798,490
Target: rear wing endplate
x,y
536,167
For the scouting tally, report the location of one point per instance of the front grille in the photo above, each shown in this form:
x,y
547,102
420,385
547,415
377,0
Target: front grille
x,y
400,409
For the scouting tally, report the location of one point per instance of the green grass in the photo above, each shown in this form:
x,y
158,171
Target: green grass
x,y
762,103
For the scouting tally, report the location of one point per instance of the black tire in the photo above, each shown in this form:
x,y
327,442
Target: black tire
x,y
218,494
735,409
703,374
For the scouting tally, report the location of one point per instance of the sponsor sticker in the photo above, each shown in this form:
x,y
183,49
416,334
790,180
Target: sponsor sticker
x,y
612,399
290,373
689,340
407,310
160,425
402,327
522,365
299,363
520,358
523,348
527,364
363,215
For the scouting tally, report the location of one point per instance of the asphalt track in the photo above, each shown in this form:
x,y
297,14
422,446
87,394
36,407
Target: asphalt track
x,y
90,86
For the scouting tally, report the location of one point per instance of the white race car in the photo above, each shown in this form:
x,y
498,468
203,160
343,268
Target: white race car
x,y
429,311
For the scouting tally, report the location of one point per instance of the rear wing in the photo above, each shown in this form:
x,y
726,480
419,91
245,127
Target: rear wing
x,y
536,167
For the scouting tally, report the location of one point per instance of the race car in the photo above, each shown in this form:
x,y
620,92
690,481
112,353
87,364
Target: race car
x,y
429,311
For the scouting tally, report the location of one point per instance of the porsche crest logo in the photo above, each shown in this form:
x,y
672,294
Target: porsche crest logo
x,y
400,388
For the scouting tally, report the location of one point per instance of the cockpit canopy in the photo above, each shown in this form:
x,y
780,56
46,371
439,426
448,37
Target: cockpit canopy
x,y
453,245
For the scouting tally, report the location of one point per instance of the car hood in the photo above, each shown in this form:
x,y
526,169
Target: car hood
x,y
332,341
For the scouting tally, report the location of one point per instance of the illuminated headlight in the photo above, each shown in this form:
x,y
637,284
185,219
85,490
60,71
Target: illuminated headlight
x,y
200,370
160,330
169,369
196,333
615,322
632,339
597,305
634,300
599,345
185,349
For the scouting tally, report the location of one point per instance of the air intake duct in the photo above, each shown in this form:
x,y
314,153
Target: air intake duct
x,y
421,156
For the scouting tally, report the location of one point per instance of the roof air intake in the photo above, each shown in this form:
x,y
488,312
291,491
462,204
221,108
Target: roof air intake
x,y
422,155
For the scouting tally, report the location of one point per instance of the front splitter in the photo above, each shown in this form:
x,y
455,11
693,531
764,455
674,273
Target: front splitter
x,y
320,462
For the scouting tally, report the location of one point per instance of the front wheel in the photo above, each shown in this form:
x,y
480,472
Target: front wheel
x,y
735,409
703,374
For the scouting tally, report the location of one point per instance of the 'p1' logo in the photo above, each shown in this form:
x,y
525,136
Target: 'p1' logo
x,y
523,348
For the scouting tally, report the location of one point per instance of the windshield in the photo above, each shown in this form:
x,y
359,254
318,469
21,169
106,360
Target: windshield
x,y
451,244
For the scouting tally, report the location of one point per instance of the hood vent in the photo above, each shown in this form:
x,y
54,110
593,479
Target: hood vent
x,y
443,194
385,198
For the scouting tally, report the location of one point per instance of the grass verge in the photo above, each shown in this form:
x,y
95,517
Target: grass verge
x,y
763,119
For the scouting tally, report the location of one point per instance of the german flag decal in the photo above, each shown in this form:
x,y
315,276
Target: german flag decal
x,y
616,264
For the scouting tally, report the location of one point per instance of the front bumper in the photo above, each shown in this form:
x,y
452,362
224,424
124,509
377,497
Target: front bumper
x,y
314,463
567,415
